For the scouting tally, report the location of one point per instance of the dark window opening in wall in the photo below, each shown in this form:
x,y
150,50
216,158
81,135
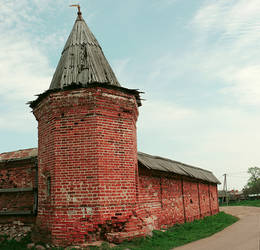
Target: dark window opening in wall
x,y
48,186
191,201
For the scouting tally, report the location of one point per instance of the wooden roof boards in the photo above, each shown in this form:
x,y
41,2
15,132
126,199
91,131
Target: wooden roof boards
x,y
19,155
163,164
82,60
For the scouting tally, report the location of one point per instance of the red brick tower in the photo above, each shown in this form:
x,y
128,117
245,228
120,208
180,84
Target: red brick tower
x,y
87,146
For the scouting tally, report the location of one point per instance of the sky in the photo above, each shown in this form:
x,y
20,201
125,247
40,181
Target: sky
x,y
198,63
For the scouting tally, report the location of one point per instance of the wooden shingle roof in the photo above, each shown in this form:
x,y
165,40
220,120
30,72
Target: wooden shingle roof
x,y
82,60
167,165
19,155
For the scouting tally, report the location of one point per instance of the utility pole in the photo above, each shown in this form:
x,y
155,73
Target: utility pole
x,y
225,188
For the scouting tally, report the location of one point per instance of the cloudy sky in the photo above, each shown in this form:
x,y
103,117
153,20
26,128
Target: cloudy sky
x,y
198,63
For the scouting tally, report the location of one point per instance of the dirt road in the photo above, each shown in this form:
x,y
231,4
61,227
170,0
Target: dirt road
x,y
243,235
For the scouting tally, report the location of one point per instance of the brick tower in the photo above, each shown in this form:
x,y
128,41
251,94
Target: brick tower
x,y
87,155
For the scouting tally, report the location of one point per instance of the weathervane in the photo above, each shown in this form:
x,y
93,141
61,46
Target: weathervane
x,y
79,12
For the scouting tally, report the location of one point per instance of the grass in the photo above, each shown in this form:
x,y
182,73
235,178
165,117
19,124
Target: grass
x,y
13,244
175,236
251,203
6,244
179,235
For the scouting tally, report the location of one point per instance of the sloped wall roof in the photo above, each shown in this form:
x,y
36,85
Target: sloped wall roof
x,y
19,155
148,161
168,165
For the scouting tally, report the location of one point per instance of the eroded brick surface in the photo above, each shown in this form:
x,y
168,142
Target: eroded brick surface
x,y
160,200
90,186
15,175
204,199
88,159
214,198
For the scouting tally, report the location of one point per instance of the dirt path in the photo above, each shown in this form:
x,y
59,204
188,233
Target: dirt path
x,y
243,235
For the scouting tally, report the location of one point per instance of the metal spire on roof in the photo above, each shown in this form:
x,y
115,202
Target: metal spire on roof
x,y
82,60
79,12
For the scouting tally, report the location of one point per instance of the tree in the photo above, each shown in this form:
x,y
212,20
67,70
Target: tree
x,y
253,184
255,175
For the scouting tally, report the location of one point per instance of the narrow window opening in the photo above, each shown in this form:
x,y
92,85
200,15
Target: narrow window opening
x,y
49,186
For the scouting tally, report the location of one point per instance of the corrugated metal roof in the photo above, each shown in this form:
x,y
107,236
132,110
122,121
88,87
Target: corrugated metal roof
x,y
82,60
167,165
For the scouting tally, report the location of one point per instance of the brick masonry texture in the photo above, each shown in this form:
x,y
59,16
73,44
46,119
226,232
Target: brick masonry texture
x,y
16,173
162,200
90,186
87,163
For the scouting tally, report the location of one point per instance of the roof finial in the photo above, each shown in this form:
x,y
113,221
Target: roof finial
x,y
79,12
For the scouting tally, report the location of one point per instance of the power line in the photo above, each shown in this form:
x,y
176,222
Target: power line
x,y
240,172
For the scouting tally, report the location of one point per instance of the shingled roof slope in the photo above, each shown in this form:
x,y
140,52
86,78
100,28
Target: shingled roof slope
x,y
168,165
82,60
19,155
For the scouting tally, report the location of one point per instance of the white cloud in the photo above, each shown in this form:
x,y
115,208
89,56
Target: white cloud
x,y
166,113
18,119
235,17
24,72
246,84
24,69
234,55
223,140
119,67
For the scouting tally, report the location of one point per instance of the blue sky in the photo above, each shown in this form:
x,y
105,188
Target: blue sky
x,y
198,63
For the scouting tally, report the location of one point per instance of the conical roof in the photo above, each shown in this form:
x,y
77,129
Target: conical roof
x,y
82,60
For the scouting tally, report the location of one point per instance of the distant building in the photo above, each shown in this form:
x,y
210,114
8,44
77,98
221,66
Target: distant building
x,y
231,195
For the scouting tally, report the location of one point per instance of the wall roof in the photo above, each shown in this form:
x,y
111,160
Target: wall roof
x,y
168,165
19,155
149,161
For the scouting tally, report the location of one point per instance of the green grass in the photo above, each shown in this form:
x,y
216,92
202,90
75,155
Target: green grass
x,y
6,244
14,245
251,203
179,235
175,236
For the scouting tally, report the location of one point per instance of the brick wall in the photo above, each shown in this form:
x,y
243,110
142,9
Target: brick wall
x,y
166,199
191,200
213,199
160,200
205,206
17,174
87,163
